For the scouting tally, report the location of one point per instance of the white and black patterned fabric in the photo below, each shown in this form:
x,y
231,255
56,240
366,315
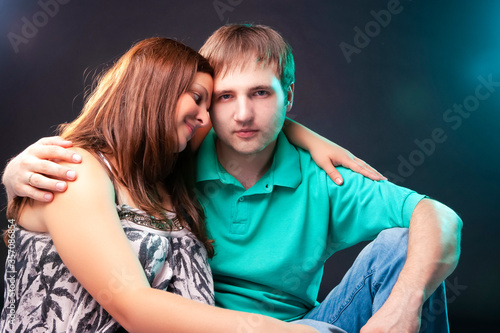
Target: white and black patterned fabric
x,y
49,299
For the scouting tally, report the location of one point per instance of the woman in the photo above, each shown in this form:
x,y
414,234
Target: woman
x,y
102,255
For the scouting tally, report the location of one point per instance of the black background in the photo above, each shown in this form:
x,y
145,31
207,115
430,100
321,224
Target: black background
x,y
396,89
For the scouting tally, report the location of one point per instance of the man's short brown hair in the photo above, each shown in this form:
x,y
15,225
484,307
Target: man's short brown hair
x,y
234,45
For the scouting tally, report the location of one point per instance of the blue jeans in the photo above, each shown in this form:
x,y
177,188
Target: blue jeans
x,y
367,285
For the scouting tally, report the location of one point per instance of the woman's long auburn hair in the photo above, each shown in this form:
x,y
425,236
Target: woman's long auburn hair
x,y
130,115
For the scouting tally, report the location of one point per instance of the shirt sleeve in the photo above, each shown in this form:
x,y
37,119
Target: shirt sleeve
x,y
361,208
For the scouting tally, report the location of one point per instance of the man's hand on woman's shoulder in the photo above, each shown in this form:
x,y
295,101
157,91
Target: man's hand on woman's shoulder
x,y
35,173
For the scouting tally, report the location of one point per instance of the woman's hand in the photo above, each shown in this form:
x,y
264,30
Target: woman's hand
x,y
328,154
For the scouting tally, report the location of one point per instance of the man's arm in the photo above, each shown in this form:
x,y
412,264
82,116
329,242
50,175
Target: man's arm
x,y
35,173
433,252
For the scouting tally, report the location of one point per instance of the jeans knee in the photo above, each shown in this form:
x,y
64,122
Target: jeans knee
x,y
394,241
395,236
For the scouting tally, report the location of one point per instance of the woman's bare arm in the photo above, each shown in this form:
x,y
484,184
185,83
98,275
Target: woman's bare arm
x,y
89,237
326,153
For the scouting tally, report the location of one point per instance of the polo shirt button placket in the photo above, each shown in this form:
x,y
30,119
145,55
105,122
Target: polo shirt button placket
x,y
240,219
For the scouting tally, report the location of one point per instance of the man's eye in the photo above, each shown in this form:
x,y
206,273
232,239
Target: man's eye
x,y
224,97
261,93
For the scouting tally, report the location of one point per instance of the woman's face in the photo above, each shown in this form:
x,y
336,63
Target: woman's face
x,y
191,112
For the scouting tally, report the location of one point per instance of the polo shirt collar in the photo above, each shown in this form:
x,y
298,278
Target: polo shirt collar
x,y
207,164
285,170
286,163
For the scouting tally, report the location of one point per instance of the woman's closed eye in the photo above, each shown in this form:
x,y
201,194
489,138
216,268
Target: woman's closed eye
x,y
197,98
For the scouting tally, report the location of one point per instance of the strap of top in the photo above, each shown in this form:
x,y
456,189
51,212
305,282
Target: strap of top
x,y
140,217
111,175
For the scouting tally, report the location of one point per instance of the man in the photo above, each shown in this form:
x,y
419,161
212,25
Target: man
x,y
276,216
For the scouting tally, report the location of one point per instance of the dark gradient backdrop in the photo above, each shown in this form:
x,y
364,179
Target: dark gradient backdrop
x,y
412,87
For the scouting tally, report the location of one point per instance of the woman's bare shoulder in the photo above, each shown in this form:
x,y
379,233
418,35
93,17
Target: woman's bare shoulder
x,y
91,188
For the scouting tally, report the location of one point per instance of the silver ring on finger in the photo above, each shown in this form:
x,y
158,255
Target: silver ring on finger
x,y
29,179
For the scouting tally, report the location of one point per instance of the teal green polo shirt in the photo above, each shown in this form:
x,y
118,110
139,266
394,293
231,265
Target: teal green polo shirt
x,y
271,240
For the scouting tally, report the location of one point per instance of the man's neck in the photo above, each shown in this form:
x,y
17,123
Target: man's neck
x,y
246,168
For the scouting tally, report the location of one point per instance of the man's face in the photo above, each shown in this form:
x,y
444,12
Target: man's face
x,y
248,109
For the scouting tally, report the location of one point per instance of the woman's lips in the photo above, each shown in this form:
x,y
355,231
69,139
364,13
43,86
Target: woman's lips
x,y
192,129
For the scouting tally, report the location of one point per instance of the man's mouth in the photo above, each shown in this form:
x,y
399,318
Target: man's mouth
x,y
246,133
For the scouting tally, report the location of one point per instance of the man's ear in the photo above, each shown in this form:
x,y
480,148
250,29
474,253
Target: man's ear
x,y
289,97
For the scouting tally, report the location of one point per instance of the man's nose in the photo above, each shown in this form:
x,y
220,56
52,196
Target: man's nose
x,y
244,111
